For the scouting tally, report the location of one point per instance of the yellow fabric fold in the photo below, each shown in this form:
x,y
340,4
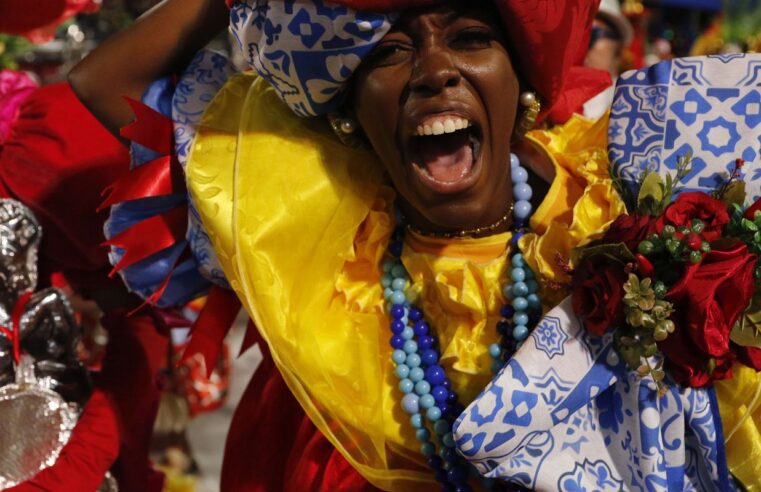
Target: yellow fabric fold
x,y
579,206
301,223
740,408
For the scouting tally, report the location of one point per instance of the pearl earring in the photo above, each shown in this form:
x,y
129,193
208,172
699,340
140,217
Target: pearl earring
x,y
533,106
345,129
348,126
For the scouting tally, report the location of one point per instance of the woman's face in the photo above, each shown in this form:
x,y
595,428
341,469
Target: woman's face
x,y
437,100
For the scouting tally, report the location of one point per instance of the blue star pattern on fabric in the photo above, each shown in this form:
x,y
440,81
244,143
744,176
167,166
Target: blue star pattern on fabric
x,y
309,68
580,420
707,106
549,337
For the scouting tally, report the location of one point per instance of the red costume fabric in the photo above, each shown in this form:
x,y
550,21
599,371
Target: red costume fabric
x,y
56,160
273,446
38,19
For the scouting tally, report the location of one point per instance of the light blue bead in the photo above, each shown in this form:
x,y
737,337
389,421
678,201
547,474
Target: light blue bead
x,y
517,274
427,401
496,366
423,435
433,414
398,284
407,333
520,332
517,260
522,210
417,421
416,374
410,346
494,350
533,301
428,449
442,427
522,191
518,319
519,175
422,388
402,371
520,303
507,291
413,360
520,289
533,285
388,265
398,297
448,440
411,403
514,161
406,386
386,280
529,274
388,292
399,356
398,271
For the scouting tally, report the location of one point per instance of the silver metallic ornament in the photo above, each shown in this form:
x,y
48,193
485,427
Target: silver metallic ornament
x,y
40,394
35,424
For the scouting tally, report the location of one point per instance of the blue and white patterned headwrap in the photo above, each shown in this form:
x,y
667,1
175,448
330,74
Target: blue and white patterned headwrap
x,y
707,106
320,47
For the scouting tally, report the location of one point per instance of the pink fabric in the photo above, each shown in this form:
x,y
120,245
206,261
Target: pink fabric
x,y
15,87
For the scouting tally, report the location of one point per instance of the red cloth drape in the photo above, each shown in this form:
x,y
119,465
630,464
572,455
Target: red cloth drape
x,y
57,160
273,446
137,352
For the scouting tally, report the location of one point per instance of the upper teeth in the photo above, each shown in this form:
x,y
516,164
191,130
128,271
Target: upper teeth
x,y
449,125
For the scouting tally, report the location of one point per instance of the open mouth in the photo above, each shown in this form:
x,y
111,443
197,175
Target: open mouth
x,y
445,153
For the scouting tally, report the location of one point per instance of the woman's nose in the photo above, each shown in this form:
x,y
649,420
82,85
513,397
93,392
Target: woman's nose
x,y
433,71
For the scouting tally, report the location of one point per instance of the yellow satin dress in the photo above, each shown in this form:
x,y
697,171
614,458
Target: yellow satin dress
x,y
301,223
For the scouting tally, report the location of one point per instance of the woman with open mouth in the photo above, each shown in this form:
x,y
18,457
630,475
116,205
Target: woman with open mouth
x,y
393,271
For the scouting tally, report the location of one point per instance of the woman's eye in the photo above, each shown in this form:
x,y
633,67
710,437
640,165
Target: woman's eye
x,y
388,54
473,38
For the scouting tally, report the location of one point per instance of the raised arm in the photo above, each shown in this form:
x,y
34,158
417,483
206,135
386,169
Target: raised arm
x,y
159,43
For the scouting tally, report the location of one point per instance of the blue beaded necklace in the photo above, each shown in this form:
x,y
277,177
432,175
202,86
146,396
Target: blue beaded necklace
x,y
428,394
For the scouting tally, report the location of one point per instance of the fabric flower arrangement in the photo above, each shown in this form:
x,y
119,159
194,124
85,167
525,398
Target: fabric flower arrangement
x,y
675,281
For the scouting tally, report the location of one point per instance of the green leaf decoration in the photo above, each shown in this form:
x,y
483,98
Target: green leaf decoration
x,y
749,225
747,330
650,194
617,251
734,194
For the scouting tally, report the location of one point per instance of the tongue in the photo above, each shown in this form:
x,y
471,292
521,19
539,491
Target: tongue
x,y
447,158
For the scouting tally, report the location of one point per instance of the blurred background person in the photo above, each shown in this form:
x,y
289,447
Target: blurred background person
x,y
611,34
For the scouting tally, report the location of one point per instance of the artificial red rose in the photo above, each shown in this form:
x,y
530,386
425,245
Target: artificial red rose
x,y
750,214
708,300
598,293
630,230
696,205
